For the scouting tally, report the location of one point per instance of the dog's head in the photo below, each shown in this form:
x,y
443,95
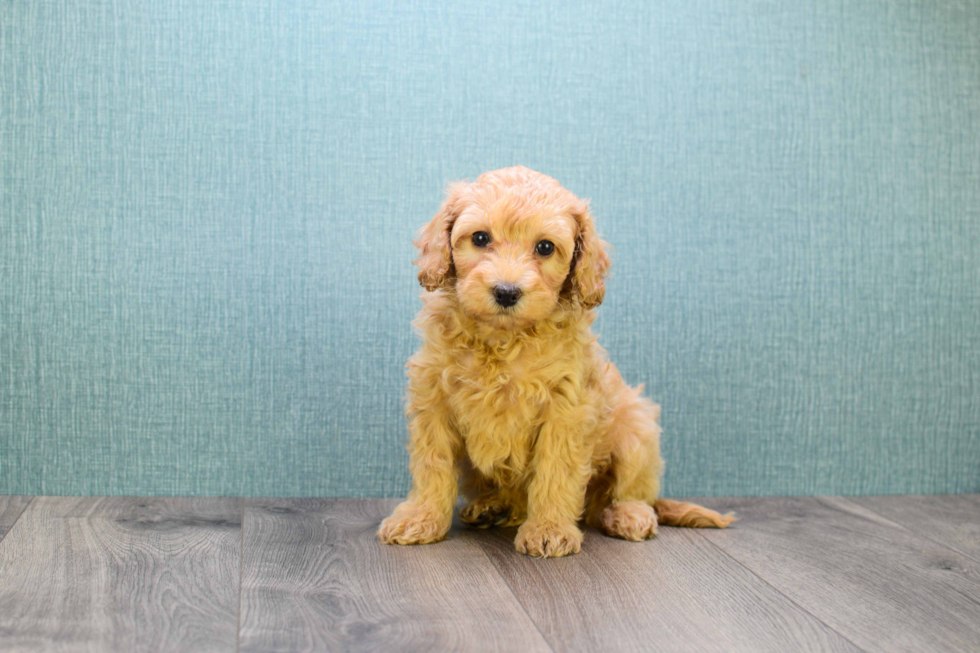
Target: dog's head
x,y
514,245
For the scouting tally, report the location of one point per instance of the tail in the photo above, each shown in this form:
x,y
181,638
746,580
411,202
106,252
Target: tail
x,y
676,513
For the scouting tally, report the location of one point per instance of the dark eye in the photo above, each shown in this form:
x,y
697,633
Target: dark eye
x,y
545,248
481,239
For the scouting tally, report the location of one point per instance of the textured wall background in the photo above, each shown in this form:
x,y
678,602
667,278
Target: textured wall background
x,y
206,211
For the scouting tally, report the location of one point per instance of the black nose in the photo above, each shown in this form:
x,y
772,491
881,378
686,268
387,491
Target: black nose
x,y
506,295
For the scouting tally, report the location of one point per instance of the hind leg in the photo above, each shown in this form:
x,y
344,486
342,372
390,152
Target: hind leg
x,y
622,505
489,504
498,508
629,520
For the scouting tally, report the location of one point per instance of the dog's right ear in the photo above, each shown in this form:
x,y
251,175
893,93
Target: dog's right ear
x,y
435,259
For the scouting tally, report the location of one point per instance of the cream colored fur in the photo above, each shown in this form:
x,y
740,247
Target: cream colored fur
x,y
518,408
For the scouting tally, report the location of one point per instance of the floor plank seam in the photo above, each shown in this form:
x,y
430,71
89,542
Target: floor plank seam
x,y
30,502
516,598
778,591
241,580
908,530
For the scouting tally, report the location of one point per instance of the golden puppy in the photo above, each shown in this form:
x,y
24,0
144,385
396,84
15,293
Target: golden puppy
x,y
511,399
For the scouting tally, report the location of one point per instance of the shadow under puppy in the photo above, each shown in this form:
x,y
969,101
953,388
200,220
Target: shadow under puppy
x,y
511,399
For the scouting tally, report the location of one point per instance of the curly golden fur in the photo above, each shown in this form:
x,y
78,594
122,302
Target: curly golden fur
x,y
513,402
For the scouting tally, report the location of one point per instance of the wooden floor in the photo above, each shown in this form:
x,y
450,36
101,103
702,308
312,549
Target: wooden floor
x,y
226,574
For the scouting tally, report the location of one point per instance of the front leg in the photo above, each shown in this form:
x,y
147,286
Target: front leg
x,y
556,493
427,513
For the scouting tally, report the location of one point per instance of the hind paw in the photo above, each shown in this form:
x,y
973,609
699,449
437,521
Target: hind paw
x,y
630,520
485,512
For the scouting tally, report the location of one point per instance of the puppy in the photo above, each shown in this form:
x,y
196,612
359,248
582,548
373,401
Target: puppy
x,y
511,399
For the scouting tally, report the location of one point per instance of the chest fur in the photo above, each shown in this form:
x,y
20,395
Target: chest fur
x,y
498,405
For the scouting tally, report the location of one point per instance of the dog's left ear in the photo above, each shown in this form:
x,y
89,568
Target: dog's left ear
x,y
435,259
590,267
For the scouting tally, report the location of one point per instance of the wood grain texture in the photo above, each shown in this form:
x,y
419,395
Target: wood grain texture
x,y
878,584
11,508
87,574
315,578
677,592
950,519
121,574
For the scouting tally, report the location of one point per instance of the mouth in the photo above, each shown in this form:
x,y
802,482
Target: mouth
x,y
508,318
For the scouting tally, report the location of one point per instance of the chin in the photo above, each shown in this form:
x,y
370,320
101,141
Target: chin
x,y
509,322
498,319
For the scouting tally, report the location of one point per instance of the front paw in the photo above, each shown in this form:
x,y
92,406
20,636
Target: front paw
x,y
413,524
548,540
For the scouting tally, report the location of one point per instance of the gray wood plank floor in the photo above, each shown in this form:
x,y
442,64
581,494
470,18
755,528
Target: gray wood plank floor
x,y
226,574
315,578
89,574
11,508
675,593
880,585
953,520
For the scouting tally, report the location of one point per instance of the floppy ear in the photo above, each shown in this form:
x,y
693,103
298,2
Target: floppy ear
x,y
590,266
435,259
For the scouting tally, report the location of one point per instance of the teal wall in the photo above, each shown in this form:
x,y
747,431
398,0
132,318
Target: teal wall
x,y
206,211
